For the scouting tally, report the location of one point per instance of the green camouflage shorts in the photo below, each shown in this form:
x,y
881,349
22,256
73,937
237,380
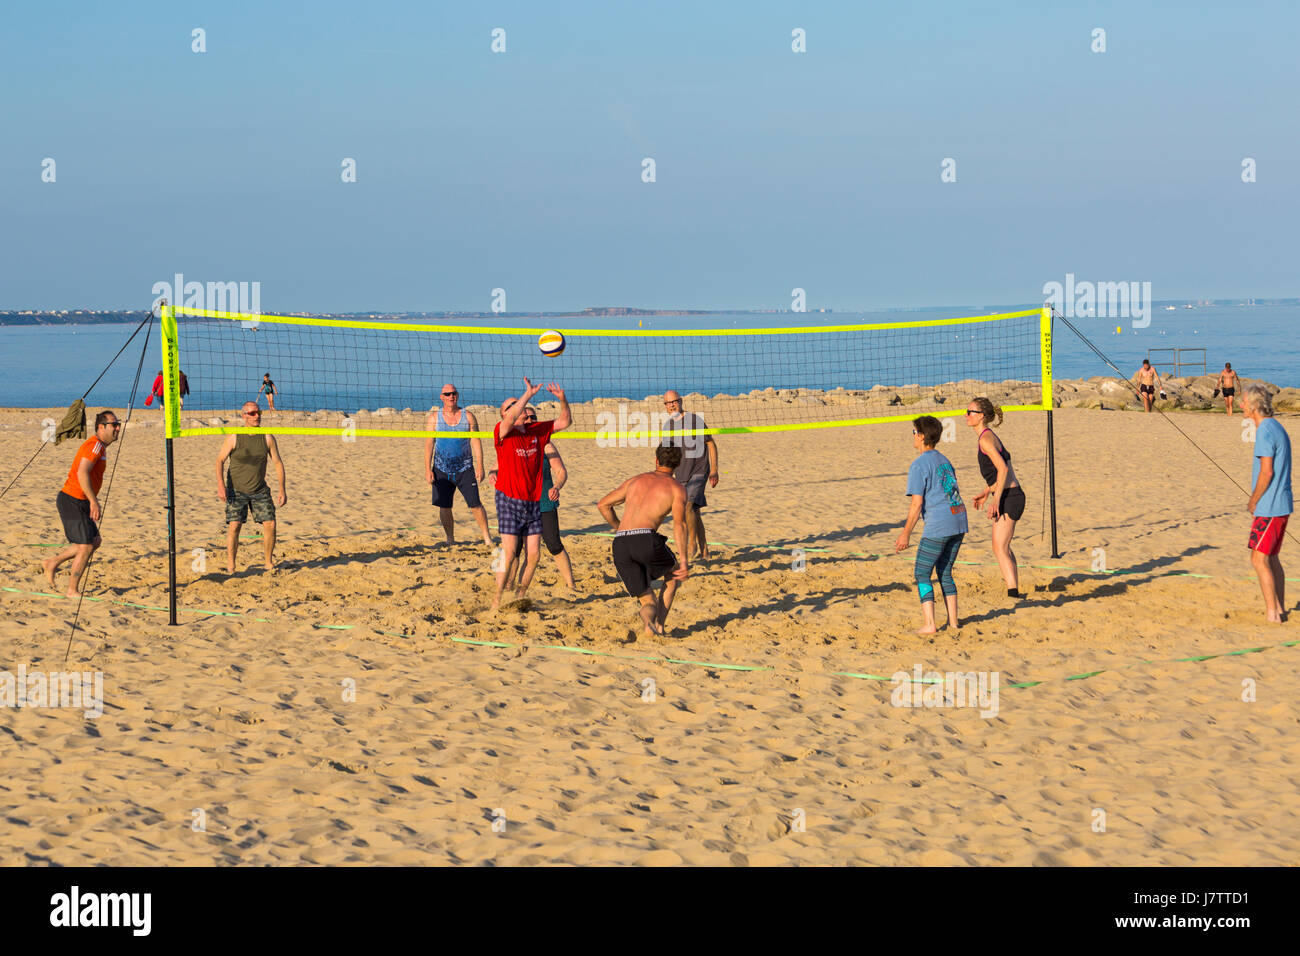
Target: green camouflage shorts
x,y
239,504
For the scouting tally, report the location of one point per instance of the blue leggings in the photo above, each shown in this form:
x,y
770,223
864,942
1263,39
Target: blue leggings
x,y
936,554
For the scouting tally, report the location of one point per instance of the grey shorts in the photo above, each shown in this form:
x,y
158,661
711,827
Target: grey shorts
x,y
695,490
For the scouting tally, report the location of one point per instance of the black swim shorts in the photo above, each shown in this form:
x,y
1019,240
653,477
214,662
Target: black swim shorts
x,y
641,556
444,488
1013,503
75,514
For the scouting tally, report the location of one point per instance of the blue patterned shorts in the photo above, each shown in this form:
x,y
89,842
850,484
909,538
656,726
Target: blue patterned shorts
x,y
518,517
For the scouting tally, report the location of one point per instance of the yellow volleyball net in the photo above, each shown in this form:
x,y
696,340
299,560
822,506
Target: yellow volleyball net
x,y
357,376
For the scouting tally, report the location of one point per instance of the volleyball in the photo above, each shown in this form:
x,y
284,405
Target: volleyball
x,y
551,343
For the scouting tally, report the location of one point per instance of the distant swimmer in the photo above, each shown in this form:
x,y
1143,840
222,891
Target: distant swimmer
x,y
699,466
1005,496
1148,379
1271,501
519,446
932,484
78,502
640,553
1227,384
269,390
244,488
452,463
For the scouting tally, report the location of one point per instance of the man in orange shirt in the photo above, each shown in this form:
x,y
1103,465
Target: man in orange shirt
x,y
78,502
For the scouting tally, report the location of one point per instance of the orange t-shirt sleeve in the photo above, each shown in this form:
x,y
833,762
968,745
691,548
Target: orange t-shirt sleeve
x,y
85,453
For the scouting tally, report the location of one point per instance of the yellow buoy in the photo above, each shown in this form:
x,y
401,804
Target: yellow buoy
x,y
1119,330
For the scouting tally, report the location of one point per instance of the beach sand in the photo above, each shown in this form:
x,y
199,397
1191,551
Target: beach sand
x,y
540,744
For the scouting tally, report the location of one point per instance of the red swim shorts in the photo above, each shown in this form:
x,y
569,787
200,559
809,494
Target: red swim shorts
x,y
1266,534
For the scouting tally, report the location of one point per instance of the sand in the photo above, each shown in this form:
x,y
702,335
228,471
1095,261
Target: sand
x,y
332,712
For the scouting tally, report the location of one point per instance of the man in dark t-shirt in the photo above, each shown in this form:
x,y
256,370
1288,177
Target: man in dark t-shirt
x,y
519,448
699,467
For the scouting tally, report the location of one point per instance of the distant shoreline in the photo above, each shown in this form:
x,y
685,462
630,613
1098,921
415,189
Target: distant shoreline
x,y
29,317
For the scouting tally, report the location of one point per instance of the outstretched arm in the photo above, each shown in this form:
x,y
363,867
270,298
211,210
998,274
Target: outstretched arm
x,y
517,407
227,447
475,446
679,532
279,467
565,418
430,425
559,474
606,504
990,449
913,515
1261,483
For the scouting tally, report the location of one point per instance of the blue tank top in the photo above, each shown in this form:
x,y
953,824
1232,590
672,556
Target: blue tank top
x,y
451,456
547,485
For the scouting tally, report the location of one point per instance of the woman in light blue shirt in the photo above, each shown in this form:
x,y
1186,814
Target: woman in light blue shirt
x,y
932,483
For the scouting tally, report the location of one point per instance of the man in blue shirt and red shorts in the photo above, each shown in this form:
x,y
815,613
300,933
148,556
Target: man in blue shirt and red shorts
x,y
1271,501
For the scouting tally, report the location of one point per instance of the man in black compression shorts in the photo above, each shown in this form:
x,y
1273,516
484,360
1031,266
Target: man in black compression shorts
x,y
641,554
1148,378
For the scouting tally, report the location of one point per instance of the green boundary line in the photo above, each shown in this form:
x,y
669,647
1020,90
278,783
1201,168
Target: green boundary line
x,y
709,665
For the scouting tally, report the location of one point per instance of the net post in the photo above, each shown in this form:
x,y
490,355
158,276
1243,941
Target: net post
x,y
171,538
1051,434
171,425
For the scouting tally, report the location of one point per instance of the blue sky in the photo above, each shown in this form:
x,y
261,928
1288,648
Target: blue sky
x,y
522,170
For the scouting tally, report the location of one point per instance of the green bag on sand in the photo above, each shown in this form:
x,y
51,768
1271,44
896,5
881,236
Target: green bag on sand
x,y
74,422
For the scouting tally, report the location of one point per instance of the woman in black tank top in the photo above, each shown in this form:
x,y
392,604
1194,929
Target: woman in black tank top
x,y
1006,499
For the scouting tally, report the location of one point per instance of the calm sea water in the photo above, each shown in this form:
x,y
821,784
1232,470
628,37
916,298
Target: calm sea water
x,y
50,366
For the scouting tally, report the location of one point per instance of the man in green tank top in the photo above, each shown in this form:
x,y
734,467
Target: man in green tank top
x,y
244,487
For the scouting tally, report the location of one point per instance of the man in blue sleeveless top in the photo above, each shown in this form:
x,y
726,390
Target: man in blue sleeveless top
x,y
451,463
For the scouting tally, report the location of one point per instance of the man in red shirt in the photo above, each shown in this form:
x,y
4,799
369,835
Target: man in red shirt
x,y
78,502
519,480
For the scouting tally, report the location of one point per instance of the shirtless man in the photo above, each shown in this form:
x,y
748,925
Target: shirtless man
x,y
1228,384
640,553
1148,379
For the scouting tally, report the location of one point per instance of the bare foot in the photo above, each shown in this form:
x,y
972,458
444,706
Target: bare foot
x,y
271,566
49,566
230,567
496,604
928,630
74,594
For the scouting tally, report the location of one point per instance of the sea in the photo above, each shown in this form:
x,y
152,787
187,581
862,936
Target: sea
x,y
50,366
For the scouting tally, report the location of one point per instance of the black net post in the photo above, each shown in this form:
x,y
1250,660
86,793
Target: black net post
x,y
171,538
